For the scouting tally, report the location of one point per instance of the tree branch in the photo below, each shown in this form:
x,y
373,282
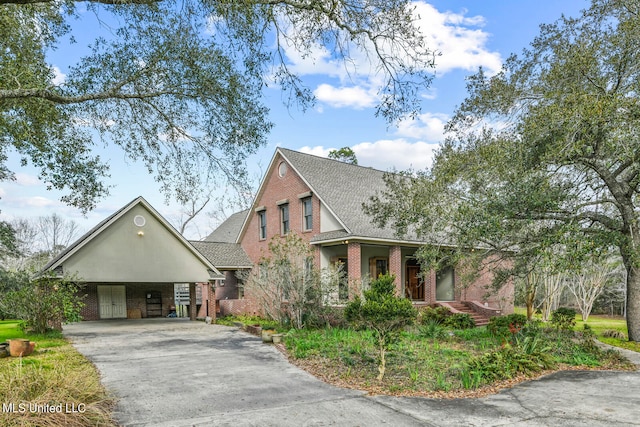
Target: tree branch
x,y
53,96
112,2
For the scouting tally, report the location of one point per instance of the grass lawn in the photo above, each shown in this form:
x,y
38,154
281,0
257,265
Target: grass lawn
x,y
54,386
599,324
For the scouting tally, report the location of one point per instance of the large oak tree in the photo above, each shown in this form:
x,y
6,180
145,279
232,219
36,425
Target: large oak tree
x,y
178,83
543,157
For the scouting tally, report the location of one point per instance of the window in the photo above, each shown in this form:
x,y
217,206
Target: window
x,y
445,284
307,214
262,215
284,216
378,267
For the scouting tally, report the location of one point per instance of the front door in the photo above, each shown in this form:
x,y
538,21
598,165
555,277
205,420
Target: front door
x,y
112,302
414,287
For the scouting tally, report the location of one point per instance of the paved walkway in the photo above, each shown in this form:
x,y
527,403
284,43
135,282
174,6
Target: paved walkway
x,y
172,372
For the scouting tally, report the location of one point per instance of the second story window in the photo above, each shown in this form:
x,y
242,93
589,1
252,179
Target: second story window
x,y
307,214
262,217
284,216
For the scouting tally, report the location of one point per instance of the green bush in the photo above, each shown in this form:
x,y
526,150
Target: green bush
x,y
45,303
437,314
432,329
460,321
564,318
507,362
504,326
382,312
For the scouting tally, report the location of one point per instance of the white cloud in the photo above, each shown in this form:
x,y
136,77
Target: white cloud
x,y
397,154
27,180
427,126
58,77
387,154
355,96
38,202
459,39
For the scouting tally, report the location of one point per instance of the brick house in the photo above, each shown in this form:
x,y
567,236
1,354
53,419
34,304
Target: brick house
x,y
130,263
321,200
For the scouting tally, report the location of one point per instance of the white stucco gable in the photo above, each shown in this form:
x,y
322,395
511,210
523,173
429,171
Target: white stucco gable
x,y
134,245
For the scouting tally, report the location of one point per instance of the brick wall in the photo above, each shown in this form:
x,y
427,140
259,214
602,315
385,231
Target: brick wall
x,y
230,288
275,189
90,309
238,306
136,298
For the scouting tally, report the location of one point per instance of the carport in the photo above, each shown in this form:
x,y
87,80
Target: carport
x,y
130,263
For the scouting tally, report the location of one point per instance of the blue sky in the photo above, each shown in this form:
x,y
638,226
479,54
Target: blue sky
x,y
468,34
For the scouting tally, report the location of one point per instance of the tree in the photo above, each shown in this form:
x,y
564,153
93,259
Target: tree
x,y
344,154
45,303
382,312
286,283
177,84
39,240
8,245
543,154
589,283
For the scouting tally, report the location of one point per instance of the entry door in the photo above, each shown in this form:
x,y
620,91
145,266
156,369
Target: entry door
x,y
112,301
414,287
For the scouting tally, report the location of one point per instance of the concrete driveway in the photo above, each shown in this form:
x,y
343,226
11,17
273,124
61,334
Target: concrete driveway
x,y
172,372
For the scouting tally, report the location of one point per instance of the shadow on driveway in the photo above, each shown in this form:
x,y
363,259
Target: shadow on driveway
x,y
173,372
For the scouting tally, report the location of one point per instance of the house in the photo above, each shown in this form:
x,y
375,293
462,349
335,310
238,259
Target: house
x,y
134,260
131,262
321,200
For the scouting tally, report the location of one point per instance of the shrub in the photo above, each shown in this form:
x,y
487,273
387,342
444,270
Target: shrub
x,y
383,313
564,318
45,303
460,321
504,326
434,314
432,329
614,333
507,362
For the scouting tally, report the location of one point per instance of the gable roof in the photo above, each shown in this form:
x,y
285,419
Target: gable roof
x,y
107,222
229,230
224,255
342,188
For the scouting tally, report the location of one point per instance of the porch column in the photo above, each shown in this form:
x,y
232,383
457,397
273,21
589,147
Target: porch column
x,y
211,301
354,267
193,313
395,267
430,290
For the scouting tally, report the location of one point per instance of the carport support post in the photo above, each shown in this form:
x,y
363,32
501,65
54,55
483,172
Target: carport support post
x,y
211,301
193,310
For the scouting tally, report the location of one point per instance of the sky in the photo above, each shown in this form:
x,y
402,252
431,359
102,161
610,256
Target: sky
x,y
467,33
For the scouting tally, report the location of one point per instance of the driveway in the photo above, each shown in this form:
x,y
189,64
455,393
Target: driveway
x,y
172,372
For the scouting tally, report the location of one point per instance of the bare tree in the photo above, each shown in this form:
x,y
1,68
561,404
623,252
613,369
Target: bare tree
x,y
56,233
552,286
587,285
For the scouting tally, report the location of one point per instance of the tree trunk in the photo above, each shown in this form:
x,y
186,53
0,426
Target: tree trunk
x,y
530,297
633,301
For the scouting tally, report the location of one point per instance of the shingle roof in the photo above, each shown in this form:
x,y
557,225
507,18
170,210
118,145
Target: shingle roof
x,y
223,255
229,230
343,188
